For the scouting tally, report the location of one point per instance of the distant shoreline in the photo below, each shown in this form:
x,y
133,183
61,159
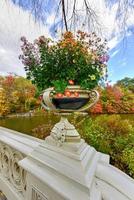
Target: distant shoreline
x,y
34,113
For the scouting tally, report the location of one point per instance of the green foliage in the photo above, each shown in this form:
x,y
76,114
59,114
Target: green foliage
x,y
128,158
59,85
82,58
114,136
127,83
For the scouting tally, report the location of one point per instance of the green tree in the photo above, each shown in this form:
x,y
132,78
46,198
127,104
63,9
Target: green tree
x,y
126,83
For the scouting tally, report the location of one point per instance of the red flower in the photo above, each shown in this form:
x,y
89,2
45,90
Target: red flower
x,y
76,94
60,95
71,82
67,93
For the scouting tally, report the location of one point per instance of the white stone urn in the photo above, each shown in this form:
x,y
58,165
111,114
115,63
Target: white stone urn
x,y
74,99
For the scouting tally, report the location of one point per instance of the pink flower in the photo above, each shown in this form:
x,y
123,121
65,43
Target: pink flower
x,y
104,58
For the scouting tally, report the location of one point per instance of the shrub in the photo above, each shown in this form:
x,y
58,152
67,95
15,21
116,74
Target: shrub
x,y
128,159
42,131
97,108
114,136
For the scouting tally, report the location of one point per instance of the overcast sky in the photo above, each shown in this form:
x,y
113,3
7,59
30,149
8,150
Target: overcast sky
x,y
16,22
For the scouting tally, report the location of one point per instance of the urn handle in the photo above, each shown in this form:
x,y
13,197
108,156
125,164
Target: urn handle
x,y
93,99
47,101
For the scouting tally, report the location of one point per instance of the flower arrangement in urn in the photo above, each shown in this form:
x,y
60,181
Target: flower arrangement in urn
x,y
72,66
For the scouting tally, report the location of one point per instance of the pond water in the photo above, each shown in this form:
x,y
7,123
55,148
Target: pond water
x,y
27,124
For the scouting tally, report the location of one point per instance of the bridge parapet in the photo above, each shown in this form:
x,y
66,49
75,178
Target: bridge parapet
x,y
14,147
63,167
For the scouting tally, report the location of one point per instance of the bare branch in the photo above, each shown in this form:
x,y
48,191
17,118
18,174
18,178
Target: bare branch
x,y
72,17
64,14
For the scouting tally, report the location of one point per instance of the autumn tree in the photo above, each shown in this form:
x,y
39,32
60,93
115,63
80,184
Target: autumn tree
x,y
114,99
19,94
4,104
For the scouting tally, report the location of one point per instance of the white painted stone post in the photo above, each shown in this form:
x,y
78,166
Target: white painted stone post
x,y
64,167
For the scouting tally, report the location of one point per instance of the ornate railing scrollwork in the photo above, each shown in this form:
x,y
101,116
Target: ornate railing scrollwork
x,y
16,173
5,154
37,195
9,168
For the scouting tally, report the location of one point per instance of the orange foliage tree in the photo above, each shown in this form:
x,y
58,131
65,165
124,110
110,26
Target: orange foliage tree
x,y
4,105
19,94
114,99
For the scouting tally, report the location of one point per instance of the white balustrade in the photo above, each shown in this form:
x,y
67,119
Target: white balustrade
x,y
14,147
63,167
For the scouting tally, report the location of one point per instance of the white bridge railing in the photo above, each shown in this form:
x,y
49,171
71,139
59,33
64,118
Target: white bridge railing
x,y
55,169
14,147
